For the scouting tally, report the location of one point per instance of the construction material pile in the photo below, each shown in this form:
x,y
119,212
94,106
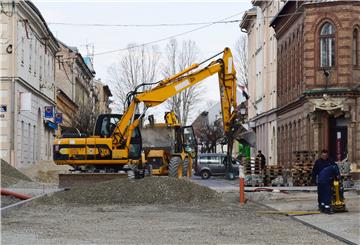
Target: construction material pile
x,y
46,172
272,176
301,170
150,190
11,176
253,173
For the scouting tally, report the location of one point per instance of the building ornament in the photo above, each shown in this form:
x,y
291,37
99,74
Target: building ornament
x,y
328,104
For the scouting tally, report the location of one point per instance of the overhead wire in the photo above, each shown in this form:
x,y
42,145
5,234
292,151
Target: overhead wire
x,y
165,24
165,38
186,32
141,25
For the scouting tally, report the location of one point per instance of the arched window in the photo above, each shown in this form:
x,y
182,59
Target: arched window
x,y
355,47
327,45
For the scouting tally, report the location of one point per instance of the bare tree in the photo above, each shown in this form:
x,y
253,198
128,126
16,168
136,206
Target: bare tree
x,y
84,119
138,65
241,59
209,135
177,59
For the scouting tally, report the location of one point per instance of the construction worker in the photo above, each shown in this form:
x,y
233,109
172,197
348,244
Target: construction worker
x,y
323,174
325,185
262,160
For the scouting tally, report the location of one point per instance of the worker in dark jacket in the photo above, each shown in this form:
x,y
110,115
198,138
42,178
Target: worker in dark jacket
x,y
325,184
262,159
319,165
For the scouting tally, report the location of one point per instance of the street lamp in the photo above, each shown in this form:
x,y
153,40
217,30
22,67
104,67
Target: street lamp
x,y
326,75
243,111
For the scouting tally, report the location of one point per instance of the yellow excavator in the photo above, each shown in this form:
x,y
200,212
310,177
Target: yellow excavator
x,y
117,140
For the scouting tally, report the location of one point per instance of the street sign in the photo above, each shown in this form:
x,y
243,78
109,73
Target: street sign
x,y
49,111
3,108
58,118
51,125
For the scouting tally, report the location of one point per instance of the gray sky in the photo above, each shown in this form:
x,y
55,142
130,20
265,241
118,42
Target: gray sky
x,y
210,40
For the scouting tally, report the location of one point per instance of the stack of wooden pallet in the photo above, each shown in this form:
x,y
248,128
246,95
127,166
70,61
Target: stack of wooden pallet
x,y
253,166
252,171
305,156
301,174
302,168
271,173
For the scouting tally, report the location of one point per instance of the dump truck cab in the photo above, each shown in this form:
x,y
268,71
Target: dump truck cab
x,y
169,142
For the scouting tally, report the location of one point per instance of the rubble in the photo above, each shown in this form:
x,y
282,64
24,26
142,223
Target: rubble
x,y
150,190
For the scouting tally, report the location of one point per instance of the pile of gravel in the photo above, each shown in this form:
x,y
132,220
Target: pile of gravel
x,y
150,190
11,176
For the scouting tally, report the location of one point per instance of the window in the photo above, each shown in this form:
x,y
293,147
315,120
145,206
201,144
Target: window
x,y
355,48
327,45
209,160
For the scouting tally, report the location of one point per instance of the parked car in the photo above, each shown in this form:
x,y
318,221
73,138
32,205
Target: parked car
x,y
213,164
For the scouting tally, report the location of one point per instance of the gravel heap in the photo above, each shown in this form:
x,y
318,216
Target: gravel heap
x,y
150,190
11,176
46,172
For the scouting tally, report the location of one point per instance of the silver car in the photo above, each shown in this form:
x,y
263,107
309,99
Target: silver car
x,y
213,164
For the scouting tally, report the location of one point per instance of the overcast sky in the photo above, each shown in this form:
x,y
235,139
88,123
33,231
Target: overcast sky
x,y
210,40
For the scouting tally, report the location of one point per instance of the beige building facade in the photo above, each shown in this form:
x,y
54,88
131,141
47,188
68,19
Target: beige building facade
x,y
27,74
262,67
74,83
102,100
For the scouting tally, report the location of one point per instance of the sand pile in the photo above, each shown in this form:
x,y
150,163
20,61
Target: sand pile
x,y
150,190
45,171
11,176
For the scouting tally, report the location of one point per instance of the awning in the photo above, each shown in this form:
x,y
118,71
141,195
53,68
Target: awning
x,y
247,138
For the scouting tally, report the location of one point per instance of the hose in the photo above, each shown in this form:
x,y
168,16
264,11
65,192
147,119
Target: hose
x,y
14,194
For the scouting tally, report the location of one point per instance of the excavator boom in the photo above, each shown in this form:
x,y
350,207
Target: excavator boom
x,y
176,84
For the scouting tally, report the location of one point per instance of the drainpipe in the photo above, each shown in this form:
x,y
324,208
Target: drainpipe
x,y
13,95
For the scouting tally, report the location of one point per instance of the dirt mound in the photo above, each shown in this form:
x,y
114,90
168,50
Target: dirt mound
x,y
45,172
150,190
10,175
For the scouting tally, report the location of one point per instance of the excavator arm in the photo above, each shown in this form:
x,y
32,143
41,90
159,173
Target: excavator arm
x,y
171,86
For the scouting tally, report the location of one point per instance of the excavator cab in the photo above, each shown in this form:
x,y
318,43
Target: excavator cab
x,y
105,124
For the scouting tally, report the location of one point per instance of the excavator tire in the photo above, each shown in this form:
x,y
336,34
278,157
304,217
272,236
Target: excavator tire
x,y
185,167
174,165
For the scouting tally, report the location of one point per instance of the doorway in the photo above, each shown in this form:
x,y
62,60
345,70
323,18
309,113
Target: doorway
x,y
338,136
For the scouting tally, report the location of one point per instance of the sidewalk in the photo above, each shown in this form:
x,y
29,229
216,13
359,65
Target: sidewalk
x,y
345,225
